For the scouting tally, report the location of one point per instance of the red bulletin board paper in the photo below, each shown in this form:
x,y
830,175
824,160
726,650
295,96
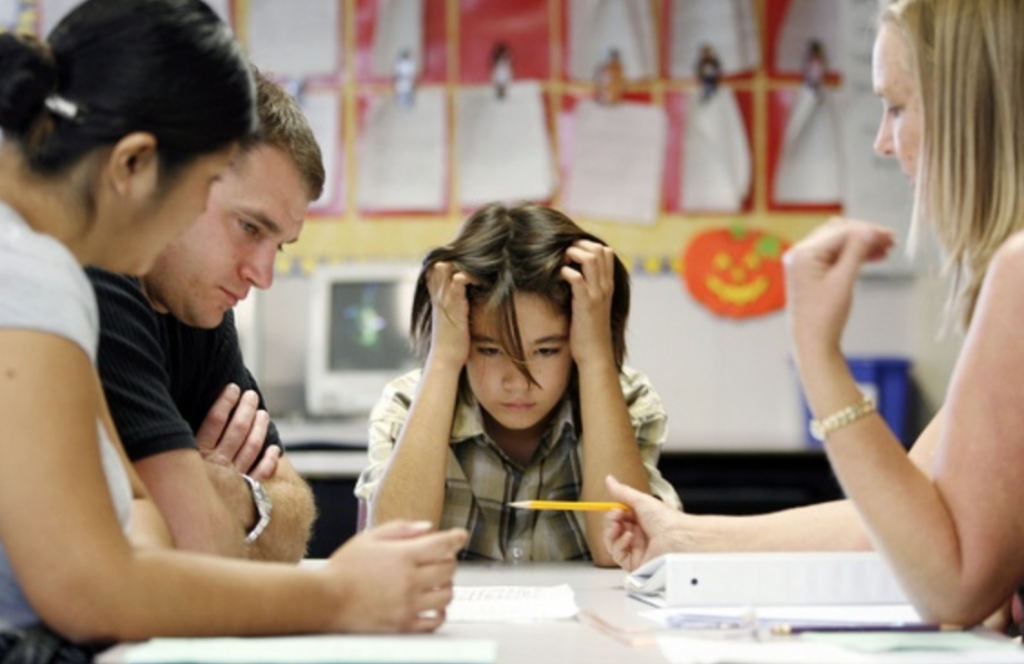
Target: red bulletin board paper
x,y
665,56
675,108
435,59
780,104
775,16
524,25
736,272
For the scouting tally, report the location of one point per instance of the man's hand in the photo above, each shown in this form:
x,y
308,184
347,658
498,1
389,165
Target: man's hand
x,y
233,434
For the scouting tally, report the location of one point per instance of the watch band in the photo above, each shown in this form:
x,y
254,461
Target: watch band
x,y
261,500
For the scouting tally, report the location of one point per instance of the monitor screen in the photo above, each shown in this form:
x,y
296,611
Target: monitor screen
x,y
365,331
359,338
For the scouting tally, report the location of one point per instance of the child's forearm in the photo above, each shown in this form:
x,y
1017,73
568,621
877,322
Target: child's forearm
x,y
609,447
413,484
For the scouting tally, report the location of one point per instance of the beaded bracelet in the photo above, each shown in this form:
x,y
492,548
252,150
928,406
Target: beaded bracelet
x,y
820,429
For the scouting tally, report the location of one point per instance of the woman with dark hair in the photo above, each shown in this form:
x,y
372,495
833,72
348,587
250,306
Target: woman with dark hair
x,y
113,133
521,322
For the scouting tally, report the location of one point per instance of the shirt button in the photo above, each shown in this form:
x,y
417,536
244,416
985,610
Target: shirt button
x,y
517,553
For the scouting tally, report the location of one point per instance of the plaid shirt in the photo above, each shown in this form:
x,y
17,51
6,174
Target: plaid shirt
x,y
481,479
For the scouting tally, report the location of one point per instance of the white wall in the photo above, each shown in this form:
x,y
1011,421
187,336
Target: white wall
x,y
730,384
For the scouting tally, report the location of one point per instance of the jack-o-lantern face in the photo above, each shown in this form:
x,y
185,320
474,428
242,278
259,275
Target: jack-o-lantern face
x,y
736,272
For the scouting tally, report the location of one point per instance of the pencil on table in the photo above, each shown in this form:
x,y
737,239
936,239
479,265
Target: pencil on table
x,y
576,505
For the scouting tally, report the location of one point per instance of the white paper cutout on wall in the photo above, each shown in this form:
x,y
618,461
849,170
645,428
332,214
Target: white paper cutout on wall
x,y
222,9
51,12
398,28
809,170
617,162
807,21
596,27
730,26
9,14
716,172
503,147
298,39
402,154
322,108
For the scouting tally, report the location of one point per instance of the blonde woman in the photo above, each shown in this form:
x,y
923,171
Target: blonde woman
x,y
950,75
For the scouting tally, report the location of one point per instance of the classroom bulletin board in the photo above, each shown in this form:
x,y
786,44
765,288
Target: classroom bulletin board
x,y
455,52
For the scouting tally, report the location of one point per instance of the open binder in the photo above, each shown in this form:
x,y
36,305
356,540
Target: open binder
x,y
776,579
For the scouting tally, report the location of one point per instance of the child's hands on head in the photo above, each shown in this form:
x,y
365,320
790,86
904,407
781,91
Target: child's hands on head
x,y
590,271
450,334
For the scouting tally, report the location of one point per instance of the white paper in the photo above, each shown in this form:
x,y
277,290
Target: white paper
x,y
503,147
511,604
305,650
399,27
322,108
809,170
730,26
864,614
856,38
692,650
9,14
807,21
222,8
617,162
298,38
598,26
716,170
402,154
52,11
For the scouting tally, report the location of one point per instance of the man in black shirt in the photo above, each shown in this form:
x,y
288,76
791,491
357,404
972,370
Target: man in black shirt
x,y
187,410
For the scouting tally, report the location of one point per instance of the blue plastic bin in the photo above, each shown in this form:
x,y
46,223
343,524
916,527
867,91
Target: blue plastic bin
x,y
887,380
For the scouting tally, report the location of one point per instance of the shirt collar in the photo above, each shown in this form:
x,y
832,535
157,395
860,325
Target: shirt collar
x,y
469,422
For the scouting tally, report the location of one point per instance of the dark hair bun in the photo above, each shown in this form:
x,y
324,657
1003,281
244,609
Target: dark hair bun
x,y
27,76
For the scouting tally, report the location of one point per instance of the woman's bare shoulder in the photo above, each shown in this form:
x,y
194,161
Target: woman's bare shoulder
x,y
1007,263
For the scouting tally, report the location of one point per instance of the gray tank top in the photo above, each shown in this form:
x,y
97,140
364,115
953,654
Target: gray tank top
x,y
43,288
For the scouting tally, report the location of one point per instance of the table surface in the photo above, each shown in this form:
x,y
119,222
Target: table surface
x,y
564,641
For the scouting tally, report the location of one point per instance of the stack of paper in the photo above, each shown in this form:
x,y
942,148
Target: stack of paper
x,y
305,650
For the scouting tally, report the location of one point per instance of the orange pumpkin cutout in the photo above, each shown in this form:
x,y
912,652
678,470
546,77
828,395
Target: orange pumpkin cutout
x,y
736,272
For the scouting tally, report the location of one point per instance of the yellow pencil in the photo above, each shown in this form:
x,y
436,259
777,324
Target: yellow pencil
x,y
568,505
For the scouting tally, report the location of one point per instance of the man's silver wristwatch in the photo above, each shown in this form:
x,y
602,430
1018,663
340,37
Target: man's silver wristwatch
x,y
261,499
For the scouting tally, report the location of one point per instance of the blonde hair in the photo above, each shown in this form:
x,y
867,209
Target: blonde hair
x,y
969,64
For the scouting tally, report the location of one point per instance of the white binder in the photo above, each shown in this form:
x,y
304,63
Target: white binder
x,y
775,579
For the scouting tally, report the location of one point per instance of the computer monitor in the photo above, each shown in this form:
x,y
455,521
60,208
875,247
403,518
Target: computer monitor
x,y
358,334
